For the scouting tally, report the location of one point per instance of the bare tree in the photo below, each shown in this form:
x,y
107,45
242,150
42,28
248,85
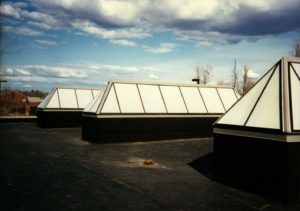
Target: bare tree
x,y
295,51
203,75
247,83
235,77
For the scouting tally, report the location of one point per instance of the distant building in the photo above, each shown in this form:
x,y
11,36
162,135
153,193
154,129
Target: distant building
x,y
12,102
32,104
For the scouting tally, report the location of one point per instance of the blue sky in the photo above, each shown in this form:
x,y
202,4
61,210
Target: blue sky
x,y
87,43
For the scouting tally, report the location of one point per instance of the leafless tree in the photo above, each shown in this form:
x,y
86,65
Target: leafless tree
x,y
247,83
203,75
235,77
295,51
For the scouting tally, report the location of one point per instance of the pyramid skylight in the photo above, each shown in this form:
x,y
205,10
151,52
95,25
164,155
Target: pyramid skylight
x,y
272,104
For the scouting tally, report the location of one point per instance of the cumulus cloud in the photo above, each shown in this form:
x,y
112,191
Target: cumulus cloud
x,y
252,74
40,25
202,22
9,10
46,42
163,48
75,74
123,42
93,29
22,31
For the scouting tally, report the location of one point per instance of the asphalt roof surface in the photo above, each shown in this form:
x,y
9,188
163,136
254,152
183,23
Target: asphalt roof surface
x,y
53,169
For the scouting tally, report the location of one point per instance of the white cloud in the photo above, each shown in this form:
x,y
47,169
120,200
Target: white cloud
x,y
252,74
153,76
201,22
22,31
93,29
75,74
20,4
163,48
39,25
42,17
46,42
123,42
9,10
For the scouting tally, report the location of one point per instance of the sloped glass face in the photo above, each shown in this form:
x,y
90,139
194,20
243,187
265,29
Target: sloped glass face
x,y
296,67
295,95
228,97
212,100
95,92
239,113
266,113
129,98
67,98
43,103
193,100
152,99
94,104
84,97
111,103
173,99
54,103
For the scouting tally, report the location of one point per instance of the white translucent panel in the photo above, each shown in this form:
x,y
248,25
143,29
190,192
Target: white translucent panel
x,y
152,99
94,104
297,68
95,92
111,103
173,99
266,113
212,100
84,96
193,100
54,103
295,96
228,97
129,98
67,98
238,114
237,95
44,101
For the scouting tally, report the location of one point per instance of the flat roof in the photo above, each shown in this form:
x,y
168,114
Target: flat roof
x,y
54,169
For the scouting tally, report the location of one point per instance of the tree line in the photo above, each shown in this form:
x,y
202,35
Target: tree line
x,y
240,79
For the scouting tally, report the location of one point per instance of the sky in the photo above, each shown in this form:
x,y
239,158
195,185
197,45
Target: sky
x,y
88,43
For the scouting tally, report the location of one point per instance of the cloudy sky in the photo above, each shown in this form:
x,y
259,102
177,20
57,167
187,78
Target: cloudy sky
x,y
87,43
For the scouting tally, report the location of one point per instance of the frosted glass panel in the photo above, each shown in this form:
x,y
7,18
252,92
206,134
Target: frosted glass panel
x,y
297,68
228,97
238,114
93,106
212,100
53,103
129,99
193,100
67,98
173,99
84,97
152,99
111,103
237,95
95,92
43,103
295,92
267,111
